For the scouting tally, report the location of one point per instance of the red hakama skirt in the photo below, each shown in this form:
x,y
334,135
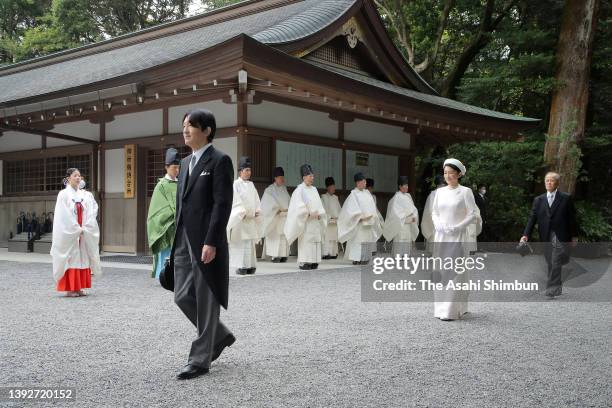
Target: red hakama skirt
x,y
75,279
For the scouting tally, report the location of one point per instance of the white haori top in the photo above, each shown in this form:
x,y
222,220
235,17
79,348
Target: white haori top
x,y
243,222
331,205
274,206
400,214
75,246
305,201
357,205
452,211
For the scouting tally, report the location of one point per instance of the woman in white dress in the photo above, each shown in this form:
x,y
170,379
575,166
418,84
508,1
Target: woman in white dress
x,y
453,210
76,235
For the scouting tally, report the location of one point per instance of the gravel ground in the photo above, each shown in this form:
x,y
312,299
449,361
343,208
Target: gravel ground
x,y
304,340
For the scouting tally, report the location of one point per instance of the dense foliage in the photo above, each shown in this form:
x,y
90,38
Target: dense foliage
x,y
498,54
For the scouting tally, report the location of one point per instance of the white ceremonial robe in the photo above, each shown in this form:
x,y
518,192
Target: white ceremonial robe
x,y
401,223
382,220
300,225
454,208
75,246
355,231
330,236
274,206
244,229
427,227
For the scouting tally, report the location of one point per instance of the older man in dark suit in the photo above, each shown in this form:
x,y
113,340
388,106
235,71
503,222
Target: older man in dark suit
x,y
555,215
201,259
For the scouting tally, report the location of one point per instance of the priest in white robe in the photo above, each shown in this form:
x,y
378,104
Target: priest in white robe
x,y
358,223
245,225
274,206
370,188
427,227
401,223
332,207
306,221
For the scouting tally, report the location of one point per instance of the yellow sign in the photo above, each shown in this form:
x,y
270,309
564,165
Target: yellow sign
x,y
130,171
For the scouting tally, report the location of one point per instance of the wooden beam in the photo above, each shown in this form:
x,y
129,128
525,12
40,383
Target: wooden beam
x,y
323,141
47,134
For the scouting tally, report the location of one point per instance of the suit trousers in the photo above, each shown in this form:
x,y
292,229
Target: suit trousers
x,y
554,253
194,297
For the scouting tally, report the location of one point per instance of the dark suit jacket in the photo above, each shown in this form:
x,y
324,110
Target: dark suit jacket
x,y
482,204
559,218
203,206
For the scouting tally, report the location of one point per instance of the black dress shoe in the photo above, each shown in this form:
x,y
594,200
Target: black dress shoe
x,y
276,260
241,271
191,371
226,342
283,259
326,257
314,266
356,263
251,271
333,257
305,267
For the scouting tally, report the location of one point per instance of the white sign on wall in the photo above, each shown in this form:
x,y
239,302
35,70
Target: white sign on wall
x,y
325,162
382,168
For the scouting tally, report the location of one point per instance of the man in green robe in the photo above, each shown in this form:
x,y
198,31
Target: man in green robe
x,y
162,210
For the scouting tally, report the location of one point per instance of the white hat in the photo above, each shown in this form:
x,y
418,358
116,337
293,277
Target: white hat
x,y
455,163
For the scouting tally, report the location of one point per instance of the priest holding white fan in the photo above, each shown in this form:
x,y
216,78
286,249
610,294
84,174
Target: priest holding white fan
x,y
401,223
359,224
306,220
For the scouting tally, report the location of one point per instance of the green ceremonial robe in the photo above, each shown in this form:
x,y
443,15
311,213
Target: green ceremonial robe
x,y
160,221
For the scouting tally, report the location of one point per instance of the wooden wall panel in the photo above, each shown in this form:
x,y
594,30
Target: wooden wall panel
x,y
120,223
260,150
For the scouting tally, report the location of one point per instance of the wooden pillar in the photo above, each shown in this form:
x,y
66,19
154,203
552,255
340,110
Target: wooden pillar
x,y
93,181
341,139
242,130
165,120
412,175
141,200
102,183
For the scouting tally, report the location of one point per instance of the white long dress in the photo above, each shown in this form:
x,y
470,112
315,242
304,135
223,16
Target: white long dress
x,y
74,246
307,230
330,237
274,206
401,223
244,228
359,234
453,210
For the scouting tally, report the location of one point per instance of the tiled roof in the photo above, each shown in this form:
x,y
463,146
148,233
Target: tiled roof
x,y
277,25
272,26
422,97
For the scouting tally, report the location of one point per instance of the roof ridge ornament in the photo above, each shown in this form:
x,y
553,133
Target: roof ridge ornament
x,y
352,32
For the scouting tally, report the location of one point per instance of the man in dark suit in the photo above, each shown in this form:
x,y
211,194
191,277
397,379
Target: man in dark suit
x,y
482,202
201,258
555,215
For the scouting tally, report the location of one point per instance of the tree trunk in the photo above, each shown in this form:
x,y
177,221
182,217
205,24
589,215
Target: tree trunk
x,y
570,100
481,38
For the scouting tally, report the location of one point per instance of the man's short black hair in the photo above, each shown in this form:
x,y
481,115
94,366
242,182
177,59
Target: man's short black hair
x,y
202,118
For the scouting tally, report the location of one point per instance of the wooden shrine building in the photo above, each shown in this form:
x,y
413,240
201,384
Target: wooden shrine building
x,y
289,81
